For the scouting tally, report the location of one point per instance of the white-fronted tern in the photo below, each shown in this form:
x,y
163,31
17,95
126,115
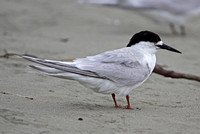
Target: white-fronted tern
x,y
112,72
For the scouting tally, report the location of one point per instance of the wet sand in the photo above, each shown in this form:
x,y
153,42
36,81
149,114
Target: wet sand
x,y
63,29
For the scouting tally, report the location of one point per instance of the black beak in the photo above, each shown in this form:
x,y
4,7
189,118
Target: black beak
x,y
164,46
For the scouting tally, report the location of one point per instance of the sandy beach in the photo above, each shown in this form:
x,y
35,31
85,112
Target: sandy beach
x,y
33,103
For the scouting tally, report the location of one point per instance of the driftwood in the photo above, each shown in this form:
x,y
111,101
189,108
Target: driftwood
x,y
27,97
172,74
158,69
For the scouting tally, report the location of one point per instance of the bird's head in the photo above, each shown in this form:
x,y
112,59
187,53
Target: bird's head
x,y
150,37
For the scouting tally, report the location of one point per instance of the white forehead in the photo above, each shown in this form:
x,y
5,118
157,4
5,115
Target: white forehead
x,y
160,43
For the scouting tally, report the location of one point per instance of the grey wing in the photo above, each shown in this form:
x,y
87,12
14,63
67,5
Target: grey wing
x,y
122,66
54,67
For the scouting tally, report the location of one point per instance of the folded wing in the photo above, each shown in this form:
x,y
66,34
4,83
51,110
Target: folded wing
x,y
54,67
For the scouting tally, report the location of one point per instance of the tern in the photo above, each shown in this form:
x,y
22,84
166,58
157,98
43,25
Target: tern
x,y
170,12
112,72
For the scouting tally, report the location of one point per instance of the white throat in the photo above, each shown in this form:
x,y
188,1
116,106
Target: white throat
x,y
145,47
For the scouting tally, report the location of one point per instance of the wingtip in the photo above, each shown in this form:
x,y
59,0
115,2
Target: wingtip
x,y
32,66
36,68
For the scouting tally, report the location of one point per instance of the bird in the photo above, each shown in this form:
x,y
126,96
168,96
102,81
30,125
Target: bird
x,y
112,72
169,12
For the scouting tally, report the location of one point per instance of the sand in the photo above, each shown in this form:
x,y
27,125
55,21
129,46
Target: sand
x,y
63,29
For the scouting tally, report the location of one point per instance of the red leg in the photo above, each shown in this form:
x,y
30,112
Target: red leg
x,y
117,106
128,106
